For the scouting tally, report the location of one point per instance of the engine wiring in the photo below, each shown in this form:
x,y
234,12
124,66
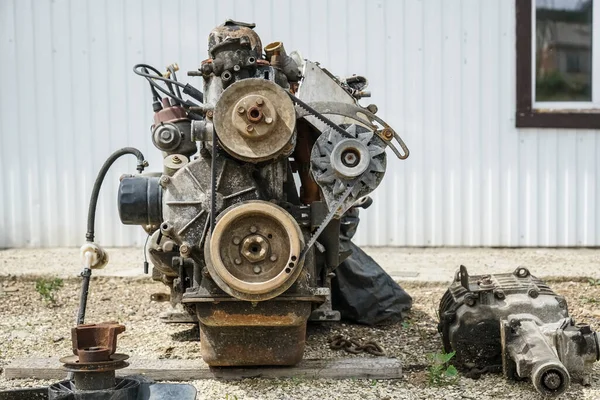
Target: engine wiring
x,y
174,86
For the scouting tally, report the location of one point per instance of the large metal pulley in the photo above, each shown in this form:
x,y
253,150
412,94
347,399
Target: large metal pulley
x,y
255,120
253,252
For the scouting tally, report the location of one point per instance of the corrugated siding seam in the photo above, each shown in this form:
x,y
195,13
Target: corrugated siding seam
x,y
441,72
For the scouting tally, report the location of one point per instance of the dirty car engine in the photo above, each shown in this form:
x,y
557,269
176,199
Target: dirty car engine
x,y
244,219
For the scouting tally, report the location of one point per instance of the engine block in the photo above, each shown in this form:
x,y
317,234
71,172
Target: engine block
x,y
244,218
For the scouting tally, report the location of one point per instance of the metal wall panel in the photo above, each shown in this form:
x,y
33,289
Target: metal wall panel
x,y
441,71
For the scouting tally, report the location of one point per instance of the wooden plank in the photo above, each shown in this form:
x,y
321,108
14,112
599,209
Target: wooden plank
x,y
186,370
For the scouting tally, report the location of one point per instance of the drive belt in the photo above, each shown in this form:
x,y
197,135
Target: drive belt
x,y
333,208
332,212
319,116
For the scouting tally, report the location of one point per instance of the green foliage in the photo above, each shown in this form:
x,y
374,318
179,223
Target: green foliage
x,y
296,380
440,372
594,282
47,288
406,324
230,397
554,87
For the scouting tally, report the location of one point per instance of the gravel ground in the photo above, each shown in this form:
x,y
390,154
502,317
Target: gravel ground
x,y
29,327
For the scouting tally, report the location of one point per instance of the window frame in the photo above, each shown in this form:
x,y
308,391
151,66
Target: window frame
x,y
529,114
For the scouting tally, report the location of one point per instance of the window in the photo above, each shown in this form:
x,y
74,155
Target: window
x,y
558,63
573,67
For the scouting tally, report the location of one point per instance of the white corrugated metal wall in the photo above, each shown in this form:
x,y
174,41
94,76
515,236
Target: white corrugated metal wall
x,y
441,71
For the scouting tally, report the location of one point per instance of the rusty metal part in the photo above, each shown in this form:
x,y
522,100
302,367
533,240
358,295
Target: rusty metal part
x,y
264,130
93,367
309,190
94,361
233,30
95,342
244,334
259,113
279,59
355,346
253,253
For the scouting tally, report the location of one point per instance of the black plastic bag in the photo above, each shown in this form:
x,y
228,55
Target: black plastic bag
x,y
361,290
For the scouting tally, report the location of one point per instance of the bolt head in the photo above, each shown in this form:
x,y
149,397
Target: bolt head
x,y
164,180
209,114
257,269
249,128
237,261
259,102
185,248
176,160
255,248
253,229
350,158
268,120
470,300
241,110
236,240
273,257
166,135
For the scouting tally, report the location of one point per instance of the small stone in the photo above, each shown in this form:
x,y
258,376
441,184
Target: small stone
x,y
57,339
19,334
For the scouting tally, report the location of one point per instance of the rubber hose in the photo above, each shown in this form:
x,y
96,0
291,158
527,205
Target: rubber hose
x,y
141,164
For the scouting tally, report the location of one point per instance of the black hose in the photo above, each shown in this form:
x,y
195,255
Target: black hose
x,y
141,70
155,95
141,164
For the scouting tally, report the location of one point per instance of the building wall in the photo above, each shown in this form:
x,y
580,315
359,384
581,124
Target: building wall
x,y
442,73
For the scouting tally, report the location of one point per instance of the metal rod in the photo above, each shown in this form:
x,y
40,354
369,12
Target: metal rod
x,y
85,287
